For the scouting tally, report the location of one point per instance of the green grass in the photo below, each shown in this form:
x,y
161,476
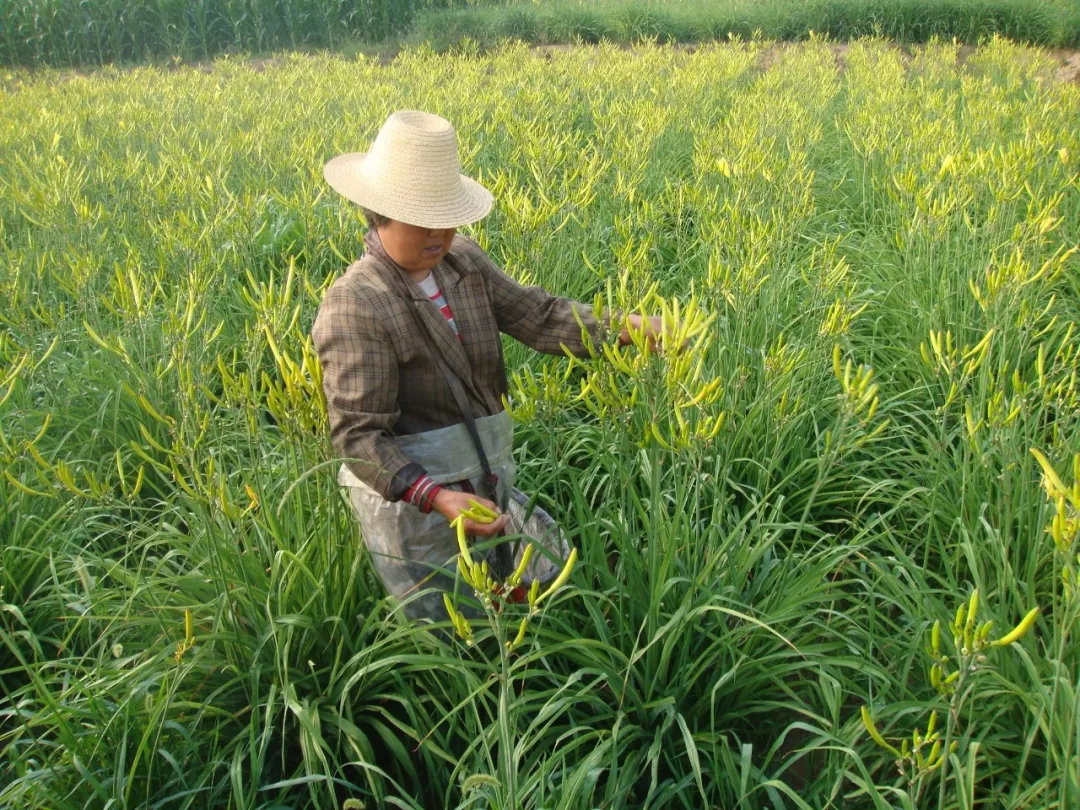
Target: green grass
x,y
1042,22
126,32
65,33
737,601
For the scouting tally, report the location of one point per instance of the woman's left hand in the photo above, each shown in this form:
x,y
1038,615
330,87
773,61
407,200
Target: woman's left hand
x,y
451,503
654,328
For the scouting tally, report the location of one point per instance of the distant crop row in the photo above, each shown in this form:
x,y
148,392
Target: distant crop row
x,y
70,32
1041,22
91,32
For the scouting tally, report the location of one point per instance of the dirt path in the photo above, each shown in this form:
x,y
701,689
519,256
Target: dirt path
x,y
1070,69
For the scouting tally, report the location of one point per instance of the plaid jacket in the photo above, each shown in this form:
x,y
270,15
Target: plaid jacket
x,y
381,342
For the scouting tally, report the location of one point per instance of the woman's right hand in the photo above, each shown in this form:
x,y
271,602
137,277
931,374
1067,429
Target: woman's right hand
x,y
450,503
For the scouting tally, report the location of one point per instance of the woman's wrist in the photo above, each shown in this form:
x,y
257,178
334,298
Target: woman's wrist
x,y
439,504
422,493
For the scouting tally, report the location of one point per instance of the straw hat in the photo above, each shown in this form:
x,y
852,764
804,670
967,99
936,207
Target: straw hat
x,y
411,174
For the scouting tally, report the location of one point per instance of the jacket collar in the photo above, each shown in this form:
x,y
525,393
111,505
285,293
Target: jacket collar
x,y
447,277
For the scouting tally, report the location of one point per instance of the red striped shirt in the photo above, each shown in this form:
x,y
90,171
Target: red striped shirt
x,y
431,289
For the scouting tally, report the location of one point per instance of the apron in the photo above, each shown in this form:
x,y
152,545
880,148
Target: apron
x,y
413,551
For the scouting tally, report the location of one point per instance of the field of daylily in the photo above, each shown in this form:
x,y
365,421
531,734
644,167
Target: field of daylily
x,y
827,553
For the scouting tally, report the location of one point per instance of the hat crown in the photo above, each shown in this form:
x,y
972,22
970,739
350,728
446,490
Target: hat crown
x,y
415,153
411,173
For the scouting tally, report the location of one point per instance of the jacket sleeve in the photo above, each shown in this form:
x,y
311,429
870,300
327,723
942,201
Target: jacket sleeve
x,y
531,314
360,380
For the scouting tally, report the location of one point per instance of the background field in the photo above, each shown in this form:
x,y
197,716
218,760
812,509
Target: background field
x,y
61,33
165,238
1045,22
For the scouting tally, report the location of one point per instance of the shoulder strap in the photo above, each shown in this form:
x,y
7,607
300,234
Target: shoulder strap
x,y
503,555
458,390
462,399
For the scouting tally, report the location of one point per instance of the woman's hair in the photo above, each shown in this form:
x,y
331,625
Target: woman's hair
x,y
373,220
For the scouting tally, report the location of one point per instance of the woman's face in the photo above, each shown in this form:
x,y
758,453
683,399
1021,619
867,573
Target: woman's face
x,y
413,247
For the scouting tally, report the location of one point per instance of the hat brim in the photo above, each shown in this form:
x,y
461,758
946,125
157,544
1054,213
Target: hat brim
x,y
471,204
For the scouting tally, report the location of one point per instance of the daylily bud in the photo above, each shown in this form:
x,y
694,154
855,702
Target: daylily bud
x,y
1019,631
520,637
526,556
561,579
868,722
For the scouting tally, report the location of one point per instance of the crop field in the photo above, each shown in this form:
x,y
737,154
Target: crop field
x,y
828,551
1042,22
97,32
94,32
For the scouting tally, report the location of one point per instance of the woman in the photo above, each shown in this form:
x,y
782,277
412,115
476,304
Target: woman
x,y
412,362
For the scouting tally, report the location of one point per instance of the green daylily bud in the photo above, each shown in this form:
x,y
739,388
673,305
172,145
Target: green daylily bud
x,y
875,735
520,637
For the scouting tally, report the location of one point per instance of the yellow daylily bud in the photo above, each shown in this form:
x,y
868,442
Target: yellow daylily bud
x,y
659,438
483,510
463,546
449,607
561,579
19,485
1053,483
979,347
1019,631
139,477
526,556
